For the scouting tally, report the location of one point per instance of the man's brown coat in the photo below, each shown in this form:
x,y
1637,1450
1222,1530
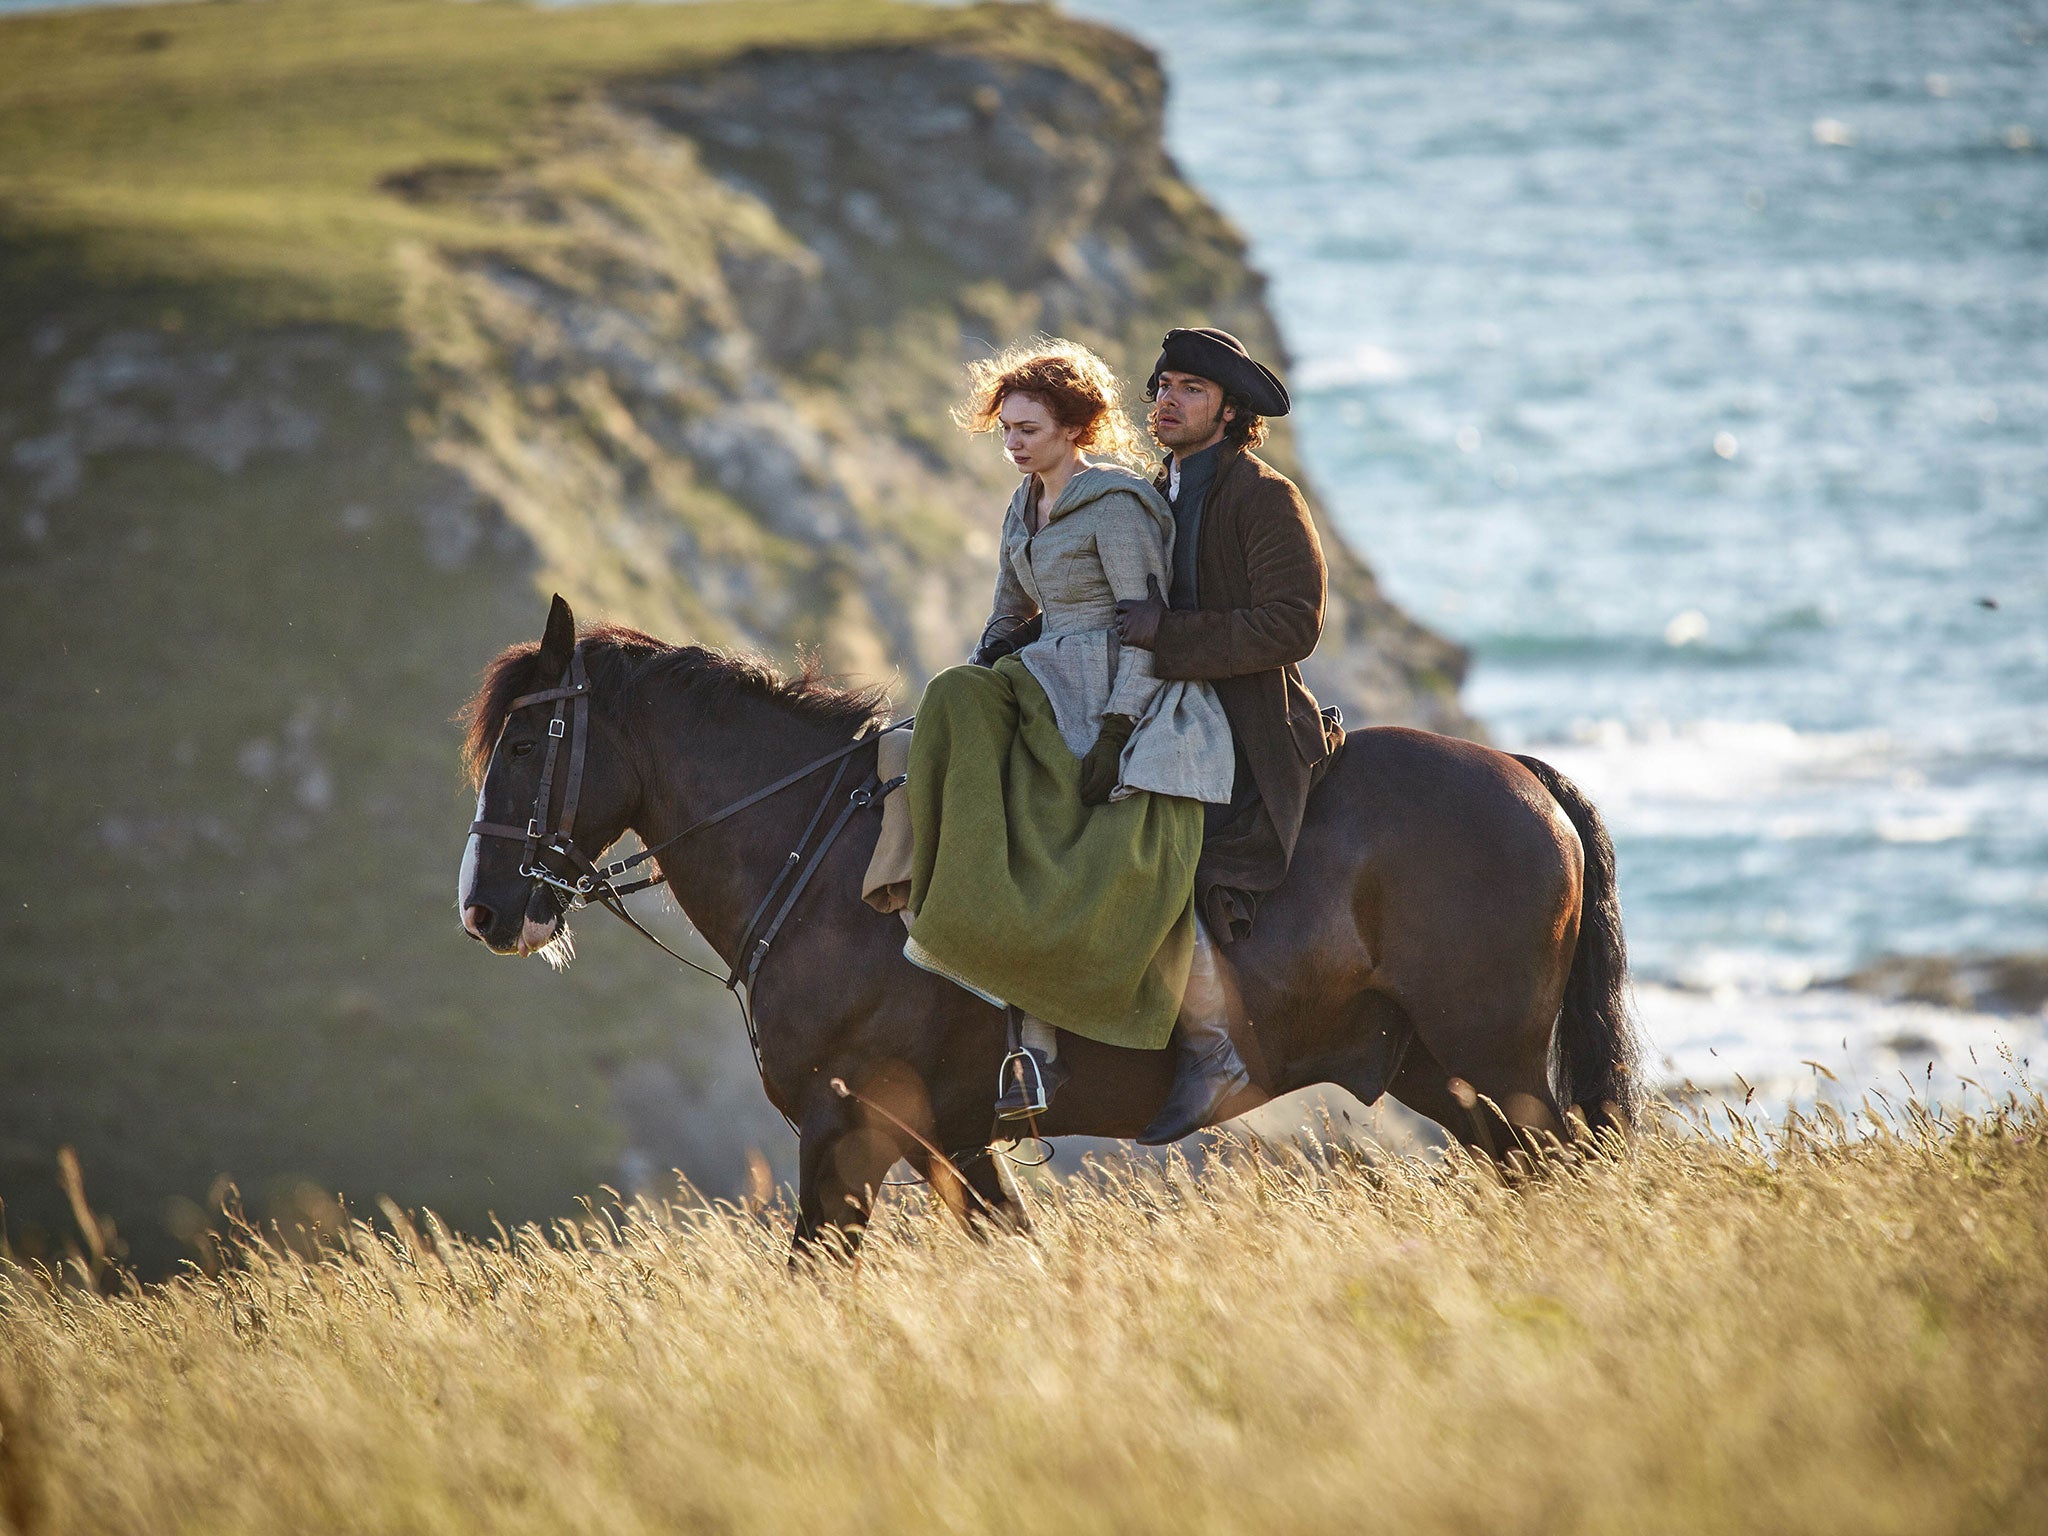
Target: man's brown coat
x,y
1261,584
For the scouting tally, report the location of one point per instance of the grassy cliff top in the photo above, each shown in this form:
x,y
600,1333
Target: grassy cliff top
x,y
235,154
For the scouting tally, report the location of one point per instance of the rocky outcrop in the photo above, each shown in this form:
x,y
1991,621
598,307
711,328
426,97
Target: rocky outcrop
x,y
715,395
2013,984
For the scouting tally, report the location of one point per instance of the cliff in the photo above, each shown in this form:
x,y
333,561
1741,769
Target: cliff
x,y
332,335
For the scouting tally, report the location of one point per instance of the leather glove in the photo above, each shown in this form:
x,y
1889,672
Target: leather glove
x,y
1099,767
1005,636
1137,619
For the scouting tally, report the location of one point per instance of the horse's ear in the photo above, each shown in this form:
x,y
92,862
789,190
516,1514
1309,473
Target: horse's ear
x,y
557,643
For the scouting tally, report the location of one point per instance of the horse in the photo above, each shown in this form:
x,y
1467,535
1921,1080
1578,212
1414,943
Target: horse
x,y
1448,932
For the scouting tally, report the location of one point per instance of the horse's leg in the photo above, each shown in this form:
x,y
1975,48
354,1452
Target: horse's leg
x,y
841,1162
989,1199
1502,1108
1477,956
989,1177
1492,1047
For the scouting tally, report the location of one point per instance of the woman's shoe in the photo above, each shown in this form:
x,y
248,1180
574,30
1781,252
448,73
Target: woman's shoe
x,y
1027,1082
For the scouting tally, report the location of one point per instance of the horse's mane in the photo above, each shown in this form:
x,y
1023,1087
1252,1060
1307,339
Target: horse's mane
x,y
619,659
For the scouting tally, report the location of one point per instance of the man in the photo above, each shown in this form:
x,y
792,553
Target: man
x,y
1246,607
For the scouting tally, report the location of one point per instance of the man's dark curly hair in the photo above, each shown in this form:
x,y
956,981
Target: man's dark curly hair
x,y
1247,428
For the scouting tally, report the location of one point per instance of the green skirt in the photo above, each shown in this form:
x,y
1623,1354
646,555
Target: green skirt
x,y
1080,915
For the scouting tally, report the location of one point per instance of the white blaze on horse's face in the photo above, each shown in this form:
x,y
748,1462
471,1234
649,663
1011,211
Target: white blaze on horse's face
x,y
465,879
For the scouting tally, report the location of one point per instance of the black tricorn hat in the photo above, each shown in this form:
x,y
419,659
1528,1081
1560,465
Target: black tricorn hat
x,y
1212,354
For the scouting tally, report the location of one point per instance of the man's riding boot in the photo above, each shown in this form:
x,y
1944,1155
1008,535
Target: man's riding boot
x,y
1208,1072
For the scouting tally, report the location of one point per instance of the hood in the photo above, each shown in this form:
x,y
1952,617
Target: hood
x,y
1096,482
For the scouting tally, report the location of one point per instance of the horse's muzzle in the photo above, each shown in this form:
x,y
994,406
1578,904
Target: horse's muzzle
x,y
535,936
501,938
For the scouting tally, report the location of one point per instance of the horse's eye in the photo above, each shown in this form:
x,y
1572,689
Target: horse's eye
x,y
521,748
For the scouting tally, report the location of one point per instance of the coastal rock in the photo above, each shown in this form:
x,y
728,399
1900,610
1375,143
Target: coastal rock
x,y
2013,984
724,381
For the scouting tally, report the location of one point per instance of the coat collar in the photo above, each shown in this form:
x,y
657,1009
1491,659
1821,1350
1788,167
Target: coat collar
x,y
1231,453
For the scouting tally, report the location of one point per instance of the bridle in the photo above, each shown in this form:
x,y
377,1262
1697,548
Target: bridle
x,y
572,696
591,882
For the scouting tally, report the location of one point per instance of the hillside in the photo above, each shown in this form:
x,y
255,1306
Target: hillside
x,y
333,334
1815,1327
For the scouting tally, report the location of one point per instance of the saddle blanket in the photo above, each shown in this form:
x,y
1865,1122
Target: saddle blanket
x,y
886,886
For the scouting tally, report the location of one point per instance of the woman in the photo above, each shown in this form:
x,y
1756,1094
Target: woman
x,y
1056,794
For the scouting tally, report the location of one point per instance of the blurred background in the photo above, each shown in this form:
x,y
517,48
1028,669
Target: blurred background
x,y
1672,383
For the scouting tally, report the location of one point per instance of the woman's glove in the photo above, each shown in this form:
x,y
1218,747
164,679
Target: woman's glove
x,y
1005,636
1099,767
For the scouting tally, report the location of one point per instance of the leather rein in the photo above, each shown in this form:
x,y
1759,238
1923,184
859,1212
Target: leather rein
x,y
590,881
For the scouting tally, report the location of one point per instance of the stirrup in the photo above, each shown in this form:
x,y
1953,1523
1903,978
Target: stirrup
x,y
1025,1084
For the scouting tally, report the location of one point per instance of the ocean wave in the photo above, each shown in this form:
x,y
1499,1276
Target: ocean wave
x,y
1366,363
1791,1047
1634,651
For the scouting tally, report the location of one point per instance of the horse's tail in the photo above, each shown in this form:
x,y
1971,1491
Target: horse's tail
x,y
1599,1051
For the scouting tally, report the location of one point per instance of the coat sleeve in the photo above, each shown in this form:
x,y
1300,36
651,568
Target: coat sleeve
x,y
1288,581
1129,545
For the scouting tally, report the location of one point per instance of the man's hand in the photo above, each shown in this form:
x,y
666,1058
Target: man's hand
x,y
1137,619
1099,768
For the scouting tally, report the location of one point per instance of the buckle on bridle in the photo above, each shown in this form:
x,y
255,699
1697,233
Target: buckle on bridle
x,y
558,727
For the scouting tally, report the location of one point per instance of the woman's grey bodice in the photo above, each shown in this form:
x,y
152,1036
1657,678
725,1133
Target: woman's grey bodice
x,y
1106,533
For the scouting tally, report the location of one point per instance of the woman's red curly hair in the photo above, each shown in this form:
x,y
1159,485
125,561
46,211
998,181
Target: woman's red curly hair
x,y
1071,382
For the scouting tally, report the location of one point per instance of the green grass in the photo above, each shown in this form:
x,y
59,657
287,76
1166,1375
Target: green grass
x,y
220,978
236,152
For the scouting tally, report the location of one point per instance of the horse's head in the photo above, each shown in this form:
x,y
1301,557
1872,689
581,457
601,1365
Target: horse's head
x,y
528,759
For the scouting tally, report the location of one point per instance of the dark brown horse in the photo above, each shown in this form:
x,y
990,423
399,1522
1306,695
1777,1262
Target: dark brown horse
x,y
1449,931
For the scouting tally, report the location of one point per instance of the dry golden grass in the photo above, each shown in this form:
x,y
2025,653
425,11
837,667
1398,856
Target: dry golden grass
x,y
1817,1331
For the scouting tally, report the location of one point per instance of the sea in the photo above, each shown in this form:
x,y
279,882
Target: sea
x,y
1689,363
